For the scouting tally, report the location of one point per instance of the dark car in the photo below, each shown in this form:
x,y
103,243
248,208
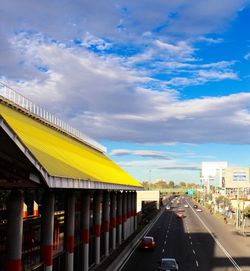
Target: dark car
x,y
147,243
168,264
195,206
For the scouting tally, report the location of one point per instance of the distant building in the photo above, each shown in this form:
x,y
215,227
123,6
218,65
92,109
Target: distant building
x,y
213,173
237,177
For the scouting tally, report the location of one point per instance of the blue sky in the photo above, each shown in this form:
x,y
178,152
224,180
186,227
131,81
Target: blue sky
x,y
163,84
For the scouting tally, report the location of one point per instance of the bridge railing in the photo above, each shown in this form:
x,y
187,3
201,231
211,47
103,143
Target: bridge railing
x,y
16,98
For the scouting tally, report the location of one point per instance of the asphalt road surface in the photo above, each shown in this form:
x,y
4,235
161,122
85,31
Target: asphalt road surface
x,y
198,242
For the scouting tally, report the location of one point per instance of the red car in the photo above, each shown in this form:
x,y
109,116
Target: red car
x,y
180,215
147,243
181,210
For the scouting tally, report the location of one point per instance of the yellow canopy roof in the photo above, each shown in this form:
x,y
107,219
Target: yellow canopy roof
x,y
61,155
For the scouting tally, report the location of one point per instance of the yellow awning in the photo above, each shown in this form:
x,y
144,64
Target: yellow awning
x,y
61,155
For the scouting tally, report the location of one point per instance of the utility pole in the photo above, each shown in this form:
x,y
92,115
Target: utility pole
x,y
149,179
238,209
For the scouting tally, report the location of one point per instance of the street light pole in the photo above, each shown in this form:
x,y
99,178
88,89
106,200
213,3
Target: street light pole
x,y
238,209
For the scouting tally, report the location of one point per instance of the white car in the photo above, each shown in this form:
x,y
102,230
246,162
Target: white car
x,y
198,210
168,207
186,206
168,264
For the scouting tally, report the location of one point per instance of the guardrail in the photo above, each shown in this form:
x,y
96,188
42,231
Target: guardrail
x,y
16,98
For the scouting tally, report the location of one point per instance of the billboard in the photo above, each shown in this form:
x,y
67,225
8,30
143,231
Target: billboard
x,y
239,176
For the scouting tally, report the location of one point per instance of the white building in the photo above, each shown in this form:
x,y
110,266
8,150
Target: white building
x,y
237,178
213,173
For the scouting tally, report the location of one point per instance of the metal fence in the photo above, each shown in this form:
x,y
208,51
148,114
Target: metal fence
x,y
28,105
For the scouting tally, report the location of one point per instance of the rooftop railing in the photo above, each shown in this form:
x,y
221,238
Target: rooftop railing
x,y
21,101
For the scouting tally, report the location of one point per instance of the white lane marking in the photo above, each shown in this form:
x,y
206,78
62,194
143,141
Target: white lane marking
x,y
189,237
163,250
191,243
193,251
165,242
197,264
166,236
129,254
217,241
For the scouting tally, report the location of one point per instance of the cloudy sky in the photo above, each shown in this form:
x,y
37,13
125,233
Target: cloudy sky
x,y
164,85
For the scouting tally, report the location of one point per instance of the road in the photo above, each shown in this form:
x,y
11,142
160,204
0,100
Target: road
x,y
198,242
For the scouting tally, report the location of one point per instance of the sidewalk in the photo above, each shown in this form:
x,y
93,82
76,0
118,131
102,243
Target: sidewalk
x,y
245,236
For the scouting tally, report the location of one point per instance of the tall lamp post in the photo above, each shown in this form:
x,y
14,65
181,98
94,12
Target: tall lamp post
x,y
238,207
239,176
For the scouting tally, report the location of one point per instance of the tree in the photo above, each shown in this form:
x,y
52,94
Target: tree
x,y
171,184
161,184
145,185
182,184
246,212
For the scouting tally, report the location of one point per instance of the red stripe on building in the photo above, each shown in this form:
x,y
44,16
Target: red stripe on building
x,y
119,219
106,225
97,230
70,244
13,265
113,222
124,217
85,236
46,254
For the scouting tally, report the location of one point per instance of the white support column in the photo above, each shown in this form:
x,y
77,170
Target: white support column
x,y
132,213
97,223
128,213
124,215
85,229
106,214
113,219
47,229
119,217
135,210
70,231
14,231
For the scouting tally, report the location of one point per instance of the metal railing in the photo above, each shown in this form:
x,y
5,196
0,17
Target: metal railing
x,y
18,99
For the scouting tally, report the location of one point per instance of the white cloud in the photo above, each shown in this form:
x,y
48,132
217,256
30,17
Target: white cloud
x,y
179,50
143,153
247,56
114,96
160,165
101,97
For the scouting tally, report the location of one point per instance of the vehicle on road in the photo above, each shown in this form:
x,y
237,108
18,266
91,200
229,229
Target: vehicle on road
x,y
180,215
168,264
168,207
180,210
195,206
198,210
147,243
186,206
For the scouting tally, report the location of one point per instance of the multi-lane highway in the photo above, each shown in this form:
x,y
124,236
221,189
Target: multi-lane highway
x,y
198,242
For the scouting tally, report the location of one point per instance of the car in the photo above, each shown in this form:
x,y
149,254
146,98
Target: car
x,y
195,206
180,210
168,264
180,215
186,206
198,210
168,207
147,243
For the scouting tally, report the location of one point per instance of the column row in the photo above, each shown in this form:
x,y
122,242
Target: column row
x,y
114,220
